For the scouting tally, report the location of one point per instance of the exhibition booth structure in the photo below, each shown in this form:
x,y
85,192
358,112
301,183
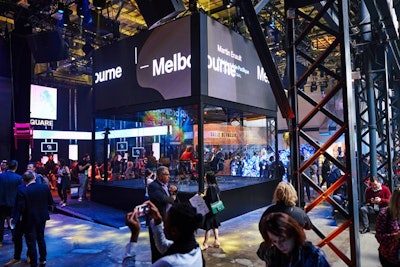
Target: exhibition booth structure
x,y
193,83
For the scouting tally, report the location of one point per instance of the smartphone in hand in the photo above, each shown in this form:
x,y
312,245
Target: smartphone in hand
x,y
142,209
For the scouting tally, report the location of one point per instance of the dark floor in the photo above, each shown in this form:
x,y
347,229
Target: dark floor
x,y
88,234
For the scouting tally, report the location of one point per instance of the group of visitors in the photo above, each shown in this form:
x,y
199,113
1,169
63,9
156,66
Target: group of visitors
x,y
24,204
173,225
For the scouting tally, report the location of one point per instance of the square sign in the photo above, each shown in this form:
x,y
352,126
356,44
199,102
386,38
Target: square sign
x,y
122,146
49,147
136,151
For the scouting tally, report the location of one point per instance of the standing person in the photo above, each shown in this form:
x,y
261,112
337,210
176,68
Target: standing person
x,y
3,166
152,162
31,167
148,179
289,246
32,208
388,232
284,200
130,170
50,171
9,182
174,236
17,237
163,196
116,165
377,196
63,182
83,171
211,220
325,171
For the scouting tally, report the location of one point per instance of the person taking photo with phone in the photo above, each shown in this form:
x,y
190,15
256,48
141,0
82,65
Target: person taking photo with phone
x,y
174,237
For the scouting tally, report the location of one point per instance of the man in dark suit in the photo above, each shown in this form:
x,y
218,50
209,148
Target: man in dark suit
x,y
162,195
32,209
9,182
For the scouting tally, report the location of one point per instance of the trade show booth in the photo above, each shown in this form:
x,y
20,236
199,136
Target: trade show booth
x,y
190,82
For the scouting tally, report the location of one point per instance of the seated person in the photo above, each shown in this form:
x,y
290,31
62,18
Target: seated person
x,y
188,155
186,161
175,238
376,197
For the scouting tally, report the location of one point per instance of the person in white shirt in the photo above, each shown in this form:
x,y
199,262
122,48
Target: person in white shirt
x,y
174,238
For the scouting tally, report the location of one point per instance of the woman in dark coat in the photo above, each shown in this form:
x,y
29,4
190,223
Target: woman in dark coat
x,y
211,220
63,182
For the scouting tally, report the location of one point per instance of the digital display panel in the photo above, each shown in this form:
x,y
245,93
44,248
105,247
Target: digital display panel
x,y
43,102
136,151
122,146
156,65
235,72
47,147
150,66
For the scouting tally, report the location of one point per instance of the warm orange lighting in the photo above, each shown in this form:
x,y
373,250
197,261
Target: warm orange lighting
x,y
322,42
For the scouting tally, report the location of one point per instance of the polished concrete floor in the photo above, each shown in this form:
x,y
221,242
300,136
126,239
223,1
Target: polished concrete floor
x,y
76,239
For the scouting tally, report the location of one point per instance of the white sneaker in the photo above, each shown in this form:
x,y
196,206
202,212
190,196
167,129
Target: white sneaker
x,y
80,199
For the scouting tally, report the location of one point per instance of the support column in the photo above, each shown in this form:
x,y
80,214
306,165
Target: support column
x,y
21,69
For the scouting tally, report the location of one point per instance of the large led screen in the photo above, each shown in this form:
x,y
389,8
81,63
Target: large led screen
x,y
150,66
43,102
235,72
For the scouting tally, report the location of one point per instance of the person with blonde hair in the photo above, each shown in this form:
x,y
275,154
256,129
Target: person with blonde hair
x,y
284,200
388,231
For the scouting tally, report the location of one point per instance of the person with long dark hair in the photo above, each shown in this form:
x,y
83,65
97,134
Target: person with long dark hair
x,y
388,231
289,246
211,221
63,182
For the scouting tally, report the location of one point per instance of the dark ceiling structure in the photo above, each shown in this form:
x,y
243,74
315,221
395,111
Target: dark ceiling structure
x,y
87,25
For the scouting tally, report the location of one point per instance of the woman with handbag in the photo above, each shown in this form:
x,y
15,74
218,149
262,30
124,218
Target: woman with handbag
x,y
211,220
63,182
388,232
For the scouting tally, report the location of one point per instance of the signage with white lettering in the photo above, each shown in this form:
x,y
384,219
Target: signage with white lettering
x,y
133,72
108,75
39,122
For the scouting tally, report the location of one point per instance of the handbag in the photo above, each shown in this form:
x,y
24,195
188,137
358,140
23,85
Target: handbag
x,y
217,206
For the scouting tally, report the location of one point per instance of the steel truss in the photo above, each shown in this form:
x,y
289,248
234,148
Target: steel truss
x,y
374,129
395,99
336,105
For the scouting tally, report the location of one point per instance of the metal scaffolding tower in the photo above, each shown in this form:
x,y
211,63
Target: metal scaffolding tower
x,y
336,105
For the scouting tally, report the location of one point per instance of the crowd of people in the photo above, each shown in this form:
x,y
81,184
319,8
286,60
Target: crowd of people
x,y
172,223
